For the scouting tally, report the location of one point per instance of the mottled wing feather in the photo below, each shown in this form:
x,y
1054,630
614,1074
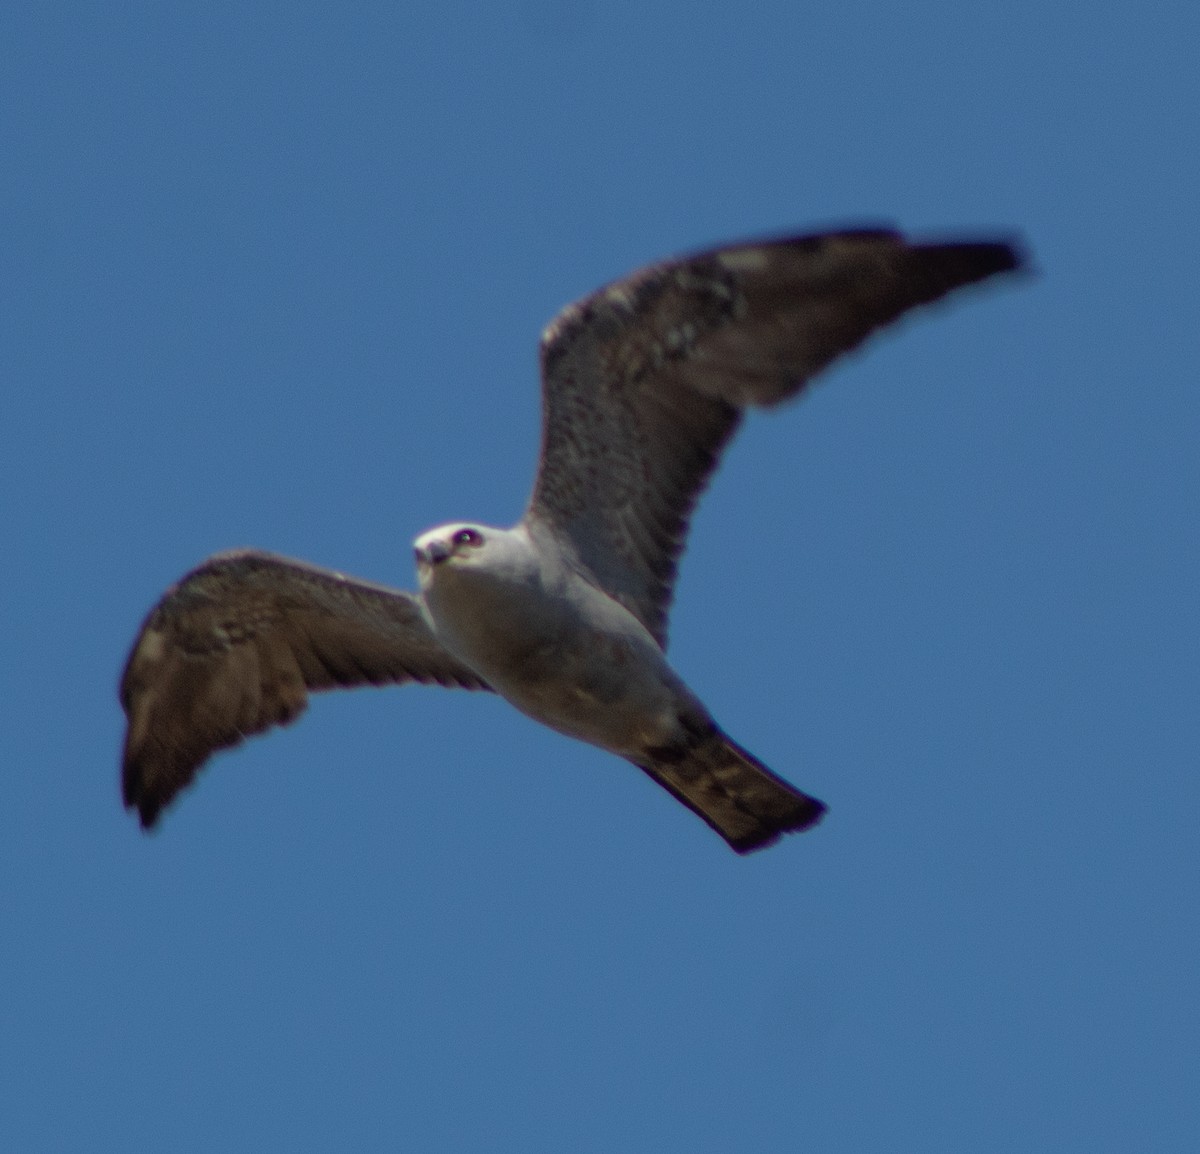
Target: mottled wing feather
x,y
235,647
646,380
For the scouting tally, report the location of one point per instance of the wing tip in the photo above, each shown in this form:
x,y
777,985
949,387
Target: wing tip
x,y
144,792
1002,254
149,811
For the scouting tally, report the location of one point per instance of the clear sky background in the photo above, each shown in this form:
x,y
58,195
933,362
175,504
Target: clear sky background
x,y
273,275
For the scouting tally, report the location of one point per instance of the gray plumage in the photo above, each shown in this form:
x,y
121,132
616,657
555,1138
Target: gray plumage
x,y
565,615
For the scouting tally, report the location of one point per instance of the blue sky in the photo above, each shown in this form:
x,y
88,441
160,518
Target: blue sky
x,y
274,275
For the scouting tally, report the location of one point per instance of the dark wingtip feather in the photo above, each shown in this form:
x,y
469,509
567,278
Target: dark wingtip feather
x,y
149,809
140,793
988,258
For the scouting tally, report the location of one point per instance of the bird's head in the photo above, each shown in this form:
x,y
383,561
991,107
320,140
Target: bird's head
x,y
456,545
475,553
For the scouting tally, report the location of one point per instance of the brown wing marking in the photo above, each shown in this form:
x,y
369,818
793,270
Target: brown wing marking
x,y
237,645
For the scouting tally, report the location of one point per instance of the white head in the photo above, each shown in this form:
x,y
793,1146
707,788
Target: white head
x,y
465,548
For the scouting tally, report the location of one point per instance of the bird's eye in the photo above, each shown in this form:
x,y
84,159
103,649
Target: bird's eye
x,y
468,537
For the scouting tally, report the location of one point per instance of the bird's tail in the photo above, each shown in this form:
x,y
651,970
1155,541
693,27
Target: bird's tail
x,y
731,790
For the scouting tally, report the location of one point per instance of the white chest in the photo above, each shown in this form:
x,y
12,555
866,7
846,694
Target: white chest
x,y
569,656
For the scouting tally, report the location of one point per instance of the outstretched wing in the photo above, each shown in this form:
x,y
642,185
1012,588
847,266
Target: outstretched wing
x,y
236,646
645,381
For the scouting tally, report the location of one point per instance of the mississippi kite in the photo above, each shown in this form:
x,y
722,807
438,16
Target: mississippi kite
x,y
565,614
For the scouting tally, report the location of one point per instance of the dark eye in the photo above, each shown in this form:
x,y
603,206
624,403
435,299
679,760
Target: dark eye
x,y
468,537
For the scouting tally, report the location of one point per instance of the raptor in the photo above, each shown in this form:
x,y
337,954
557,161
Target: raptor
x,y
565,614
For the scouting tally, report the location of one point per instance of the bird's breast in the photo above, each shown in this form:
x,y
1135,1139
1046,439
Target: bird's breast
x,y
573,659
494,623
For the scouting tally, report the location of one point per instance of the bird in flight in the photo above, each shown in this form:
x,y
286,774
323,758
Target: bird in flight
x,y
564,615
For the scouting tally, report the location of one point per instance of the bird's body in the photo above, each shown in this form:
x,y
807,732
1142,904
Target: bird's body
x,y
550,642
564,614
568,655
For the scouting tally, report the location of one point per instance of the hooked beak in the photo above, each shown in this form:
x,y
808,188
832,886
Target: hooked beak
x,y
431,554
